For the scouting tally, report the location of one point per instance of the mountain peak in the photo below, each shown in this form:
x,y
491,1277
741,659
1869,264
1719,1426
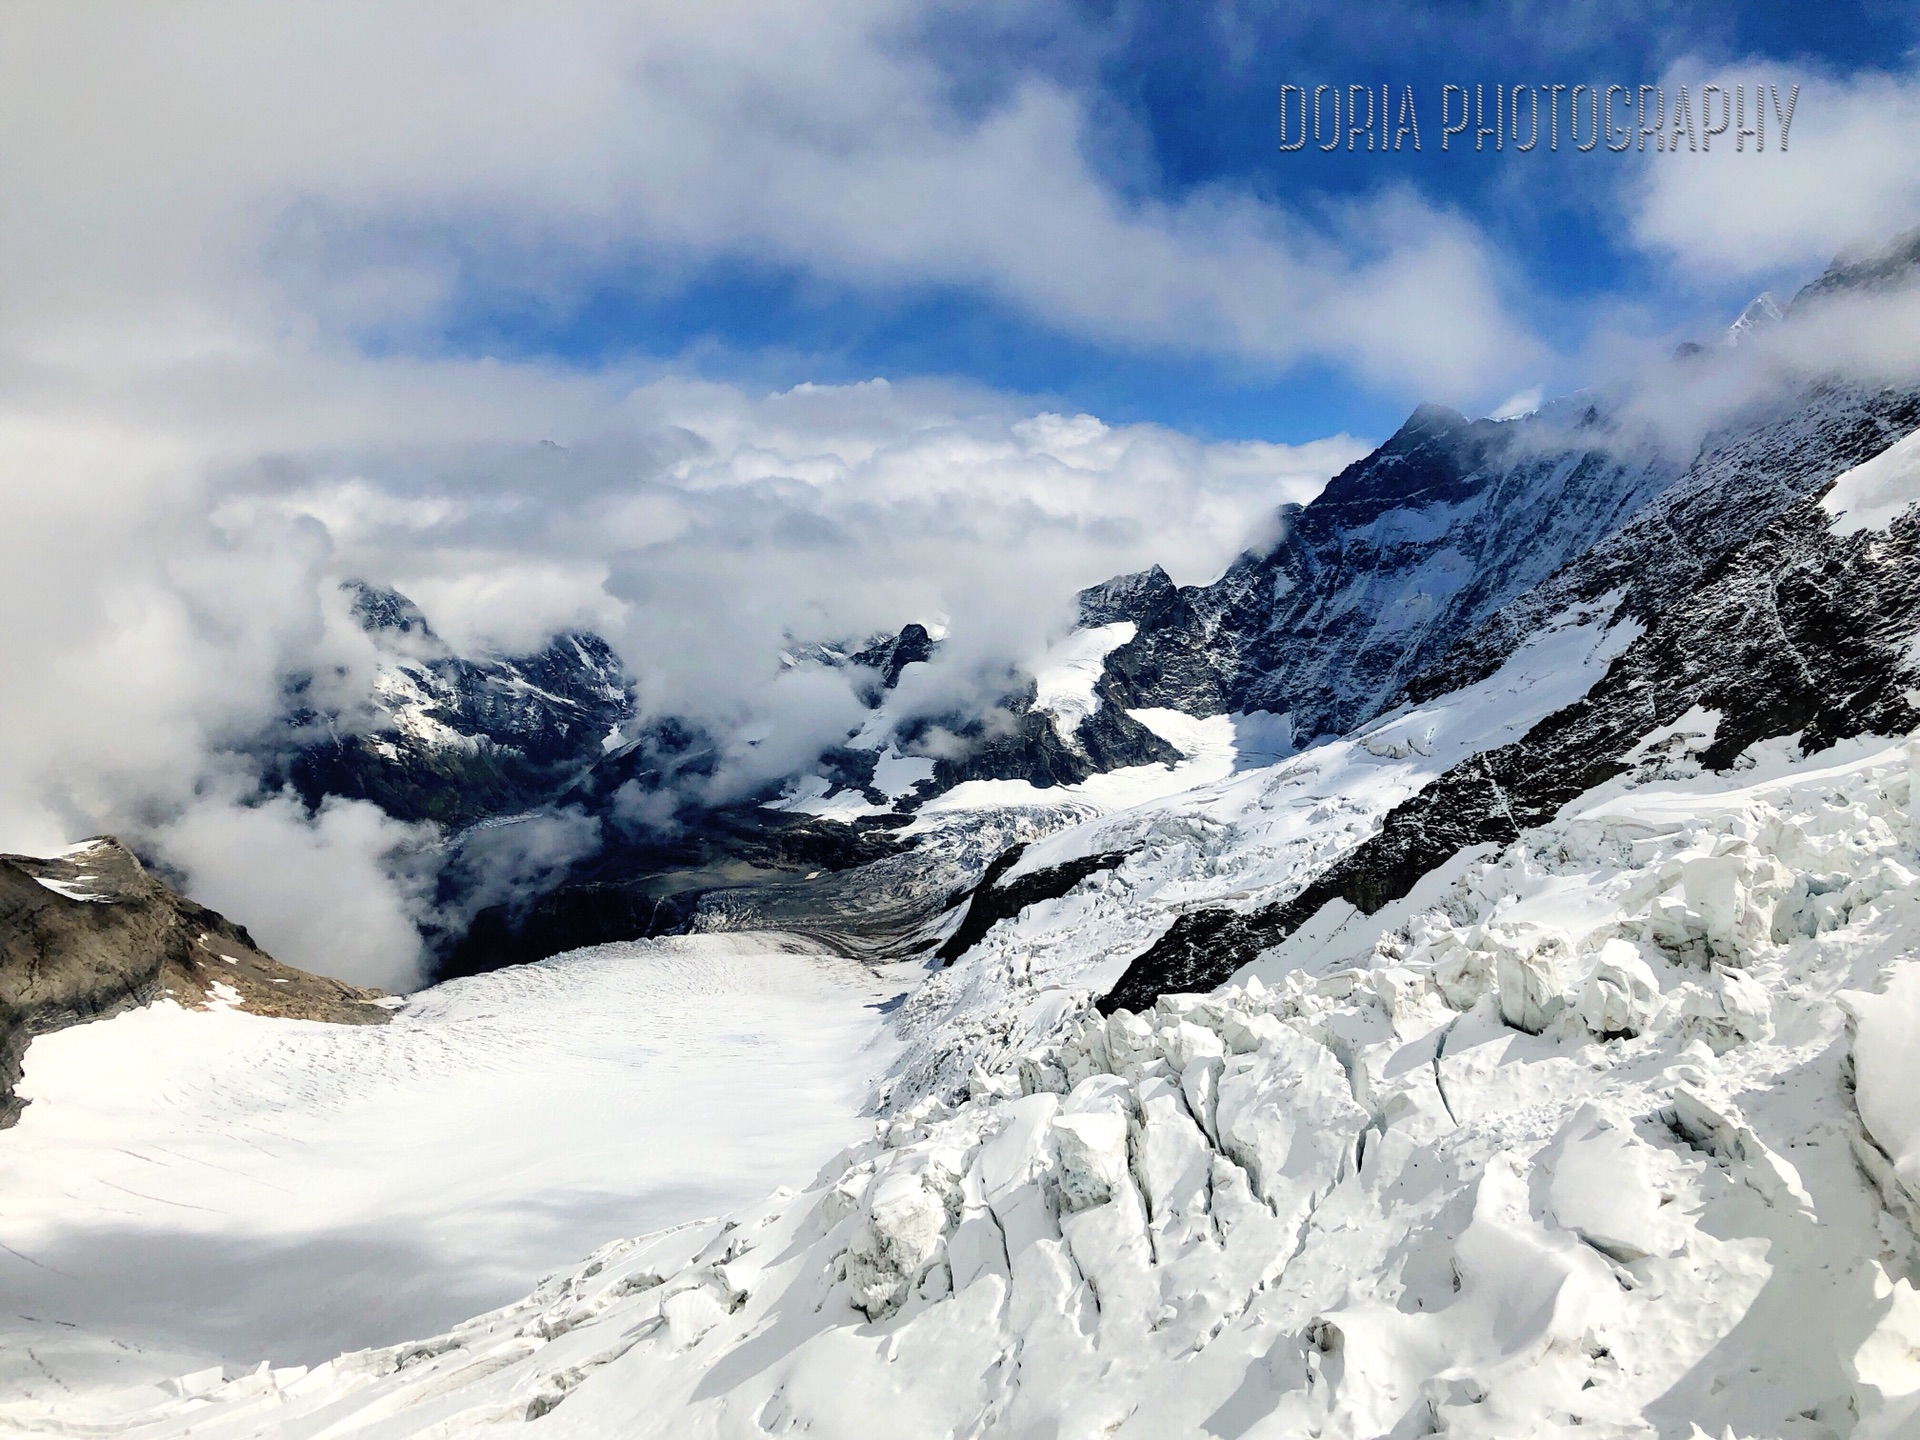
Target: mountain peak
x,y
1864,270
1761,311
1427,421
913,645
1126,597
380,608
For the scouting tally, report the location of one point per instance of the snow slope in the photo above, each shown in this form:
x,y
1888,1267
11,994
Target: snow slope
x,y
1230,835
1563,1144
1874,492
193,1188
1064,679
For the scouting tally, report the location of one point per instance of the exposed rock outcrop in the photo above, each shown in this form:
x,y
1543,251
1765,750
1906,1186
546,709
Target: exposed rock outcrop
x,y
89,933
1801,631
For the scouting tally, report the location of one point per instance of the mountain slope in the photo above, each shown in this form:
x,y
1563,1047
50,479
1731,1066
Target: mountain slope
x,y
1807,629
1378,576
455,739
89,933
1747,474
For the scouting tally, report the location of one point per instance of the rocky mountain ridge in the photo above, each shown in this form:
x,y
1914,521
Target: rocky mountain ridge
x,y
90,932
449,738
1376,578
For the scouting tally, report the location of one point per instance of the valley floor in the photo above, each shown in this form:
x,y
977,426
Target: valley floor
x,y
190,1189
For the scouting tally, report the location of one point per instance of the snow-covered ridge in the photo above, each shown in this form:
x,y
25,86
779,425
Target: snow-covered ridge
x,y
1239,836
452,738
1371,583
1065,678
1873,493
1563,1144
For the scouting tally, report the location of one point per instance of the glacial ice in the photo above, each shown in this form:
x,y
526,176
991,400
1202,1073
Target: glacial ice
x,y
1573,1141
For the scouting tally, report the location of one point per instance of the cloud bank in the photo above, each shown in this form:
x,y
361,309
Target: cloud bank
x,y
1849,177
191,179
178,555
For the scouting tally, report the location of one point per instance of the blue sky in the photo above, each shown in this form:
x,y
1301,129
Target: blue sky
x,y
1178,102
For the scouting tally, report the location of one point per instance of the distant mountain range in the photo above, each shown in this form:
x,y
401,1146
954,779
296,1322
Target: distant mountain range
x,y
1418,570
1454,974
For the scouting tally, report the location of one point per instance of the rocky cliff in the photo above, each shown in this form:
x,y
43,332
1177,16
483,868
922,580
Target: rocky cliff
x,y
90,932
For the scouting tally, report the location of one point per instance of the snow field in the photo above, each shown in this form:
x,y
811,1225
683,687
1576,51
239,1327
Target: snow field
x,y
1564,1144
193,1189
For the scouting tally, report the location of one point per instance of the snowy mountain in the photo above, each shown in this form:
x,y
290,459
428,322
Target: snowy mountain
x,y
1418,571
668,863
1402,554
1484,1009
1800,630
457,739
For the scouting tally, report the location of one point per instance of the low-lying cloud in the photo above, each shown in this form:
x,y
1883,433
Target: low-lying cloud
x,y
329,891
176,563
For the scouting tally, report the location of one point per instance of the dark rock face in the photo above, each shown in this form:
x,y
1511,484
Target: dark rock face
x,y
995,899
1018,742
1797,631
1402,553
452,739
1744,477
91,933
912,646
1866,272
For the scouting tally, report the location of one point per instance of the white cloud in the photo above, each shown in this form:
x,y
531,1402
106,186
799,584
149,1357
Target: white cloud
x,y
316,891
1525,402
499,863
1850,175
198,180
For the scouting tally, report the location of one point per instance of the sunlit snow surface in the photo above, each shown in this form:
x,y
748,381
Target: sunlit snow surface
x,y
1065,678
1566,1143
1872,494
192,1188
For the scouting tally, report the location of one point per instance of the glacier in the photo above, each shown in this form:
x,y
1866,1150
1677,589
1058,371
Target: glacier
x,y
1606,1132
1453,975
